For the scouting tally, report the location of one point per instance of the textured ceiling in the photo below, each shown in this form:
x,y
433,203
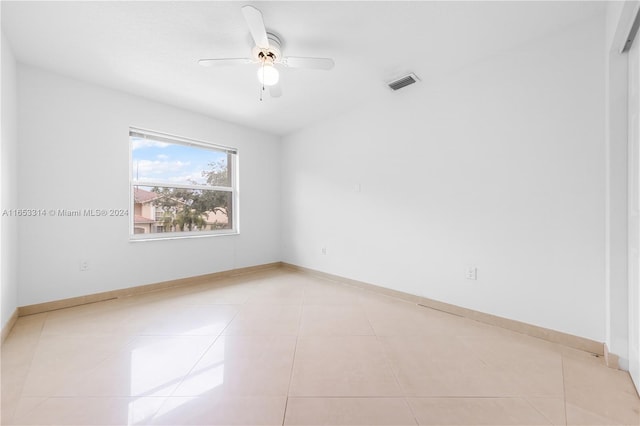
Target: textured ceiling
x,y
151,48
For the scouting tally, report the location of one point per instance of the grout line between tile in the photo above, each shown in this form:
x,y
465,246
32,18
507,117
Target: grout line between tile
x,y
33,354
526,398
388,361
293,363
413,414
351,397
184,377
38,405
390,365
564,389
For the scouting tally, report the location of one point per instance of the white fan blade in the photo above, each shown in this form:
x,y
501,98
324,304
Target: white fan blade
x,y
312,63
224,62
256,26
275,91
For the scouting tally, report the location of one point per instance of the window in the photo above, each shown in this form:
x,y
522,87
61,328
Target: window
x,y
181,187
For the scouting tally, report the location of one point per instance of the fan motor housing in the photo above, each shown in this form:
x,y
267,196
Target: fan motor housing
x,y
272,53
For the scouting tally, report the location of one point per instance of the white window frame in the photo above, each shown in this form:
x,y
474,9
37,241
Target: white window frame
x,y
179,140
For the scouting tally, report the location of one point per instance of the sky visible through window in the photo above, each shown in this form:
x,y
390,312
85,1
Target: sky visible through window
x,y
155,161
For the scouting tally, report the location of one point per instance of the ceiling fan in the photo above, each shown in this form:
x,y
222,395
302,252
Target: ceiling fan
x,y
267,54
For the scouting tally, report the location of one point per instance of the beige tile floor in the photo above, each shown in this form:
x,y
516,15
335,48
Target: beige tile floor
x,y
278,347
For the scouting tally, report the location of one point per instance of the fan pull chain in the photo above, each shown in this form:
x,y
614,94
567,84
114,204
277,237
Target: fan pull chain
x,y
262,91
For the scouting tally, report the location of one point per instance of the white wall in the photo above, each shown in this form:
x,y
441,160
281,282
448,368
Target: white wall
x,y
74,154
500,167
9,198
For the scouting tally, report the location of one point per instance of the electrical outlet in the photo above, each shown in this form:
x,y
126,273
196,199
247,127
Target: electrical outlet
x,y
84,265
324,250
472,273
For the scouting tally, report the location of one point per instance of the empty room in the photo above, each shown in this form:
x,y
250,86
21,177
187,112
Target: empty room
x,y
320,213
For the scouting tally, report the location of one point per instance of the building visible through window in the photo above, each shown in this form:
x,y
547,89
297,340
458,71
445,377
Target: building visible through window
x,y
181,187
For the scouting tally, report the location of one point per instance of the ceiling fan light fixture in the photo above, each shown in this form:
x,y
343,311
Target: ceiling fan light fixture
x,y
267,53
268,74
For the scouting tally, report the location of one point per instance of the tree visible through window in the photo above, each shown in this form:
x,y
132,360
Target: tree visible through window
x,y
180,187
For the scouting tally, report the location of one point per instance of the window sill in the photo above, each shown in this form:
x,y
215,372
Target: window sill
x,y
180,236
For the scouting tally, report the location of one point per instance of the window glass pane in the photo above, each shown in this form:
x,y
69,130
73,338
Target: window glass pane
x,y
166,209
159,161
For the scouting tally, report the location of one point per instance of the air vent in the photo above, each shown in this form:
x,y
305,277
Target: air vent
x,y
403,81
